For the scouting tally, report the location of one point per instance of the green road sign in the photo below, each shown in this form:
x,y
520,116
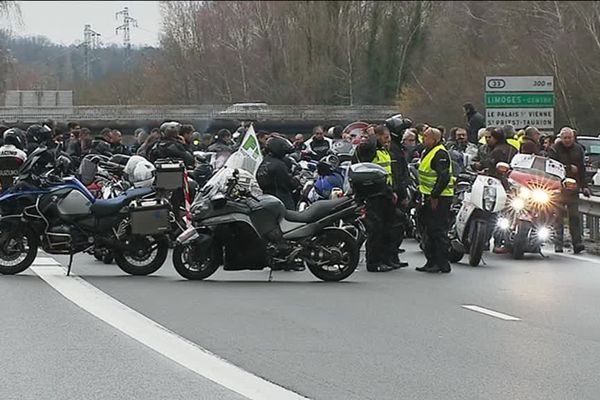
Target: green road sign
x,y
519,100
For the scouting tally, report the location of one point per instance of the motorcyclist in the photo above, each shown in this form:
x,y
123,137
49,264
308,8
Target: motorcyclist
x,y
171,145
318,145
12,156
273,174
459,147
329,179
571,155
101,144
531,141
500,151
223,146
38,135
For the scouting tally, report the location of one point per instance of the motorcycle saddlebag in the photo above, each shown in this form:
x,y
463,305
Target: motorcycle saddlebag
x,y
367,179
149,217
169,175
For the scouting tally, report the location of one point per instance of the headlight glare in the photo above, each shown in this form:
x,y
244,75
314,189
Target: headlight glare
x,y
518,203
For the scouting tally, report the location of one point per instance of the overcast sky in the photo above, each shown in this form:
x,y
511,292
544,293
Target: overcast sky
x,y
63,21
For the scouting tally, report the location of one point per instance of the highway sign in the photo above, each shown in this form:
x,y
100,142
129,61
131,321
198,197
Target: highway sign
x,y
519,84
541,118
523,100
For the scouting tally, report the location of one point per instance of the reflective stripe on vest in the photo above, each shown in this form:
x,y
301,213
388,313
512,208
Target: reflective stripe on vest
x,y
428,176
384,159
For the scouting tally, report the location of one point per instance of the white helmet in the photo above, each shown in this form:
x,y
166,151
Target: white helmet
x,y
139,172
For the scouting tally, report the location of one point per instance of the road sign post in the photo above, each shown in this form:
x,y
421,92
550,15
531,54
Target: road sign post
x,y
520,101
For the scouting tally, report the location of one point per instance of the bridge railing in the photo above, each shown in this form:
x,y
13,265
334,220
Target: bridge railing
x,y
589,208
196,112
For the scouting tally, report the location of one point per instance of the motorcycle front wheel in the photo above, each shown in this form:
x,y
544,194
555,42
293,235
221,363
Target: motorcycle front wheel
x,y
193,262
478,236
333,255
17,251
144,255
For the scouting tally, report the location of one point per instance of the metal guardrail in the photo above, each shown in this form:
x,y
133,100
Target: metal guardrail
x,y
191,112
589,208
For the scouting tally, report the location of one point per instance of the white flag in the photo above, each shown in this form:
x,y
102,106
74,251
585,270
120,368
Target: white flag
x,y
248,157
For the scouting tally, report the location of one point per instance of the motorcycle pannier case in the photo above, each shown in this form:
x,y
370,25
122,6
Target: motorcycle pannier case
x,y
169,175
367,179
149,217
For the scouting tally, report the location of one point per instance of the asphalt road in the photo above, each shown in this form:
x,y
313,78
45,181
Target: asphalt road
x,y
396,335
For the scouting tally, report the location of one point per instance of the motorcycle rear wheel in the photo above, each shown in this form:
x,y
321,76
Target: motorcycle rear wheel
x,y
194,264
333,255
144,255
17,252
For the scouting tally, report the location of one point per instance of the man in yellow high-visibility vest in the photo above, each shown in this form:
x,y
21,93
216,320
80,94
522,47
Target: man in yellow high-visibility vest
x,y
436,185
381,246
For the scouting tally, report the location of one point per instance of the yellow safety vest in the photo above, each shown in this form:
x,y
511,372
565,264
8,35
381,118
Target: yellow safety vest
x,y
384,159
514,143
428,176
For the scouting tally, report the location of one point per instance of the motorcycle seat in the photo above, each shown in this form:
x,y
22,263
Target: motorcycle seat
x,y
103,207
315,211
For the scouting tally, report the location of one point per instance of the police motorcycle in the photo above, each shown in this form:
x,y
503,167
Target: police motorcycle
x,y
536,184
474,223
61,216
238,228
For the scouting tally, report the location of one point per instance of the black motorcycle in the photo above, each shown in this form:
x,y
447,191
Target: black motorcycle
x,y
239,230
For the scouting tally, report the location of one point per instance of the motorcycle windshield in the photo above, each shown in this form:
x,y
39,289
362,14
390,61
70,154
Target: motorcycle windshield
x,y
219,182
538,165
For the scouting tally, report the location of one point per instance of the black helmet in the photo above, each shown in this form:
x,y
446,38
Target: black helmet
x,y
39,134
397,124
328,165
101,147
16,137
279,146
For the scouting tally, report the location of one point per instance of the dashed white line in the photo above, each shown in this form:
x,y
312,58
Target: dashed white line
x,y
160,339
491,313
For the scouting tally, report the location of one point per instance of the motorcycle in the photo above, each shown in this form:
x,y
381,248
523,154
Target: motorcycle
x,y
536,184
236,227
476,217
60,215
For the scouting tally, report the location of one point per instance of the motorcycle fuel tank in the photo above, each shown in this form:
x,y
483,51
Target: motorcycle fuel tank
x,y
74,203
267,213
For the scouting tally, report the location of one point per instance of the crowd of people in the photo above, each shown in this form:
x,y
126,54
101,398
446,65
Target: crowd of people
x,y
441,156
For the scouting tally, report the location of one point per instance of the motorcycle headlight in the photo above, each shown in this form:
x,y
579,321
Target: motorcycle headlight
x,y
540,196
518,203
543,233
524,193
503,223
489,197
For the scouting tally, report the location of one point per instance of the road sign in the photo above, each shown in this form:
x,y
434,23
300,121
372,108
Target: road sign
x,y
541,118
523,100
519,84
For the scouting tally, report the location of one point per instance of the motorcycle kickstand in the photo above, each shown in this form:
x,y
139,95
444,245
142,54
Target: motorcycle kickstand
x,y
270,275
542,254
70,264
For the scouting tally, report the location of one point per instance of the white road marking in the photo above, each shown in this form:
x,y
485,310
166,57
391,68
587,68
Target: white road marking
x,y
491,313
45,261
160,339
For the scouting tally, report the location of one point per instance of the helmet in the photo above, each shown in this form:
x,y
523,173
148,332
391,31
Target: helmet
x,y
328,165
16,137
102,147
170,125
279,146
397,123
39,134
139,171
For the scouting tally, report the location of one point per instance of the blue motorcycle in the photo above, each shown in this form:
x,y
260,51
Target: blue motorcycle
x,y
61,216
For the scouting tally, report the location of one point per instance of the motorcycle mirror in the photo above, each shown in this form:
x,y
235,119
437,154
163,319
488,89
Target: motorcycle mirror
x,y
570,184
502,167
